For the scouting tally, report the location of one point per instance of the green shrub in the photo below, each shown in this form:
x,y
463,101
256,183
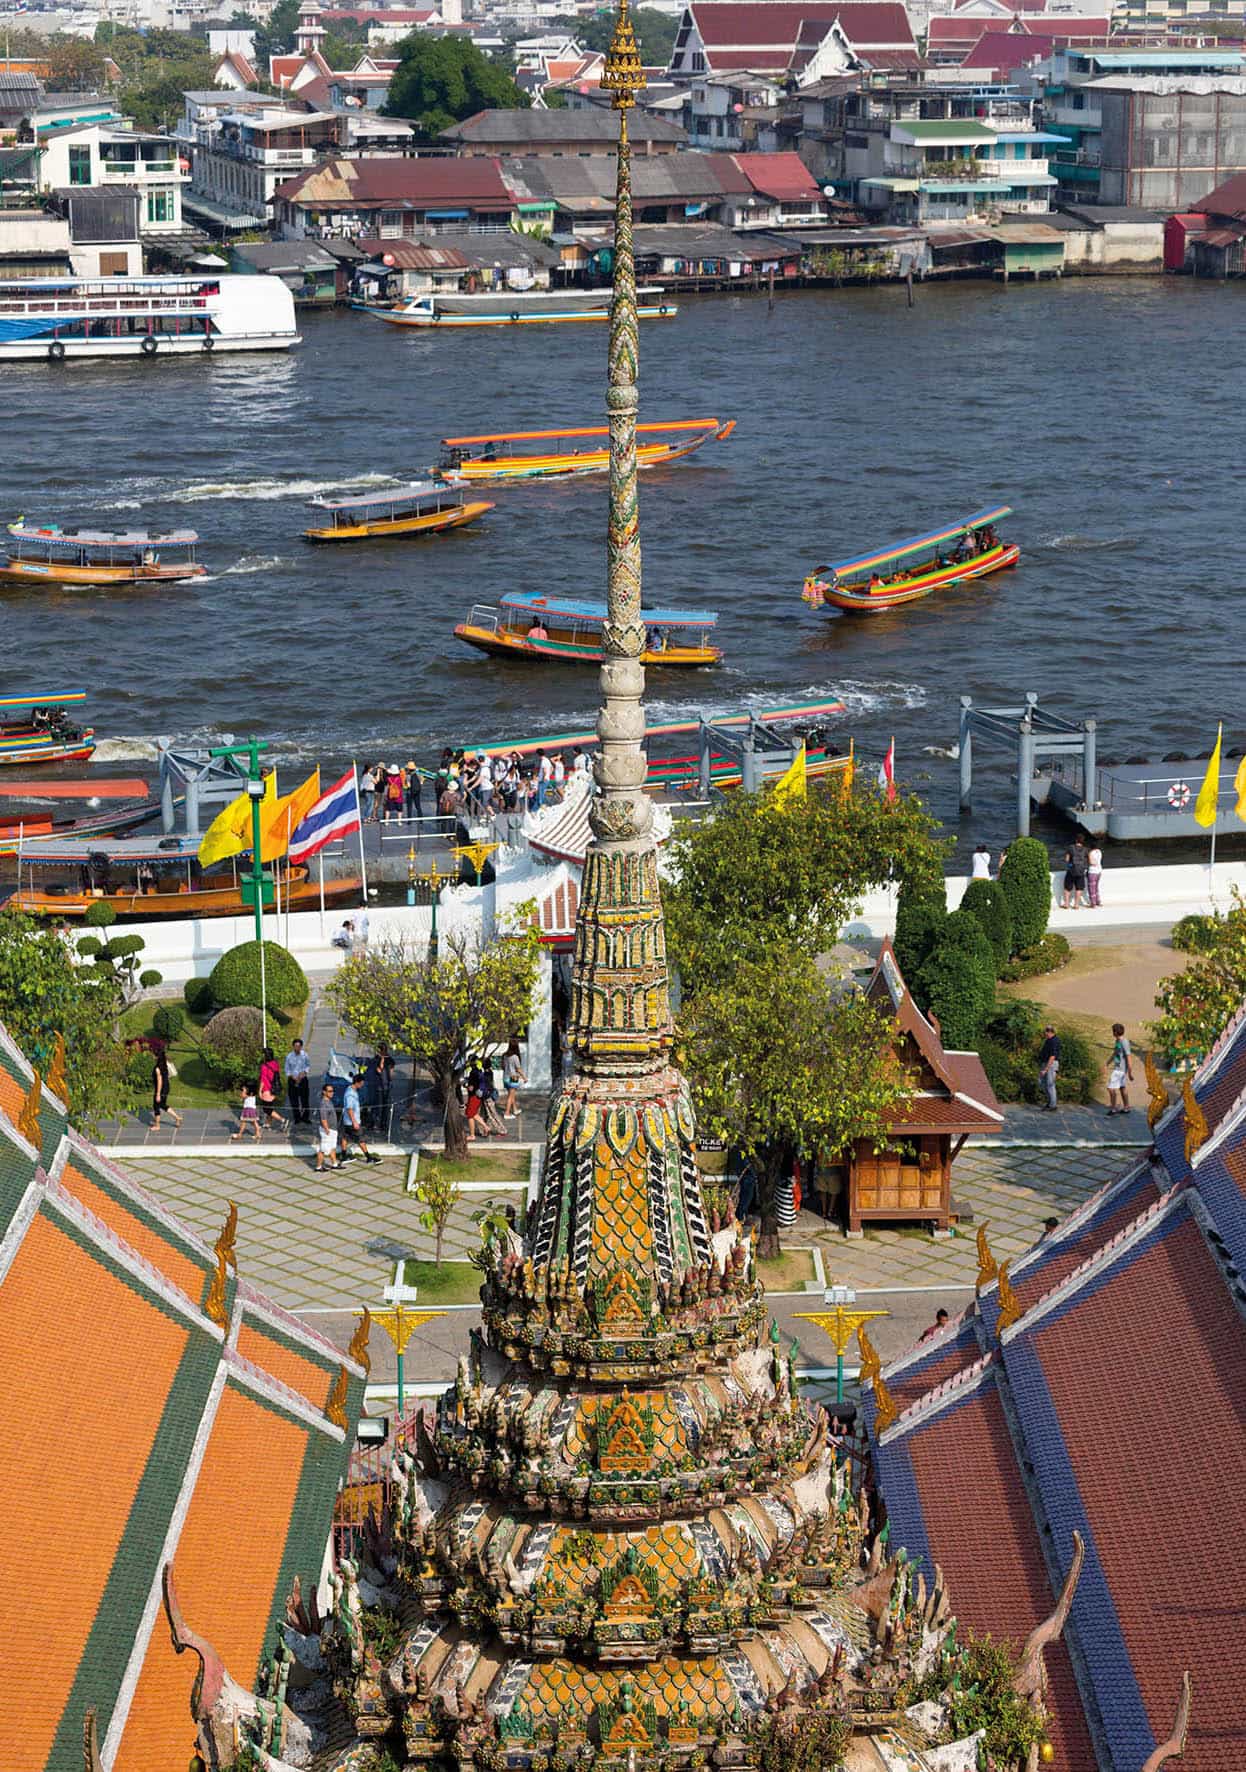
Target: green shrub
x,y
1196,934
987,901
1017,1023
918,927
235,979
1011,1037
1048,954
1079,1069
168,1021
138,1069
985,1697
232,1044
197,994
99,915
1010,1075
149,978
1025,875
958,982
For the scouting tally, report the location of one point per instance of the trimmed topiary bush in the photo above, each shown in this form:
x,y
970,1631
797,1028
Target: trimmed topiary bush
x,y
1048,954
99,915
921,909
1197,934
168,1021
957,981
197,995
987,902
233,1042
235,978
1025,875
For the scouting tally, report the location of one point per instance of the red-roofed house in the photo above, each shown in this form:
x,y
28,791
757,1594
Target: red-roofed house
x,y
782,192
952,35
804,39
1033,1418
999,55
1220,249
392,197
235,71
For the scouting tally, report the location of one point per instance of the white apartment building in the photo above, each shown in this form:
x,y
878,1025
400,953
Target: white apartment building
x,y
81,156
239,155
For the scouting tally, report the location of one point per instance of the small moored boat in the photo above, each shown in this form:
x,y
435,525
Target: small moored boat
x,y
867,584
421,509
45,553
505,456
510,307
37,729
563,630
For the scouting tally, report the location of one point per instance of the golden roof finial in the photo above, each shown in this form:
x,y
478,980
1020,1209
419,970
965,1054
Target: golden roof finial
x,y
988,1267
1009,1303
56,1071
623,76
28,1119
1195,1120
871,1365
1158,1104
335,1408
885,1410
225,1259
358,1349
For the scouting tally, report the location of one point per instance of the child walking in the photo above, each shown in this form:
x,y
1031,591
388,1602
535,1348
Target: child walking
x,y
250,1115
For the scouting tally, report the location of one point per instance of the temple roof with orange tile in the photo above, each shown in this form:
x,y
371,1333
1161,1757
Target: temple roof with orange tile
x,y
952,1092
155,1411
1113,1404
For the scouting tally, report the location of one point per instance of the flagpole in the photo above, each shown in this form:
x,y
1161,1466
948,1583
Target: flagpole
x,y
287,878
320,856
363,865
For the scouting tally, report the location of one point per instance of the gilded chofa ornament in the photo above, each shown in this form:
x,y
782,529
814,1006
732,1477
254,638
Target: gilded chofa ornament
x,y
1195,1121
625,1534
28,1119
1157,1106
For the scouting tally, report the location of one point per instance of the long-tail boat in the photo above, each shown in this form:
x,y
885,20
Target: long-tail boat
x,y
37,729
156,876
44,553
867,584
425,508
564,630
510,307
501,457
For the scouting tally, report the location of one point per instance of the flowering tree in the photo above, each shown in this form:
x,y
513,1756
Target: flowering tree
x,y
1194,1005
439,1009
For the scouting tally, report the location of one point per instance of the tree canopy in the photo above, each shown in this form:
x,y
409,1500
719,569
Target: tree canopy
x,y
1196,1004
441,80
761,875
655,34
440,1010
784,1065
44,993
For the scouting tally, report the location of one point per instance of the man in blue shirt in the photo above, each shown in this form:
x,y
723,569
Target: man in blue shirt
x,y
297,1067
352,1122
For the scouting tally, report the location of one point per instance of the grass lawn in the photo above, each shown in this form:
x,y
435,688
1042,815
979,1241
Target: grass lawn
x,y
787,1271
491,1163
454,1282
193,1086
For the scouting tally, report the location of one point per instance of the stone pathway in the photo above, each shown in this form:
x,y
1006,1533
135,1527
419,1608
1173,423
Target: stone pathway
x,y
312,1242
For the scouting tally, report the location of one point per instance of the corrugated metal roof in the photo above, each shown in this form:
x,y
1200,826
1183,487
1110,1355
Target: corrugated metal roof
x,y
415,255
590,124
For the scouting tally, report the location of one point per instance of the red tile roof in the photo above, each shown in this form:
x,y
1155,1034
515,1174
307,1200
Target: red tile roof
x,y
784,177
743,34
1003,52
1228,199
396,180
981,1532
954,30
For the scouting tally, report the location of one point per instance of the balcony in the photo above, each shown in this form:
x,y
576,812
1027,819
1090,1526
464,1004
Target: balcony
x,y
136,172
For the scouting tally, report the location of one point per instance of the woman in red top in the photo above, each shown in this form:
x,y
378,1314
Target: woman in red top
x,y
270,1081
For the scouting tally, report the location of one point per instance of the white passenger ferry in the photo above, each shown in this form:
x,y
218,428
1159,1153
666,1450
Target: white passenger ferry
x,y
47,319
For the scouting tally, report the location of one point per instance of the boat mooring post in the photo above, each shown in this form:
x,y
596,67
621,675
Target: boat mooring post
x,y
965,752
1090,784
1025,771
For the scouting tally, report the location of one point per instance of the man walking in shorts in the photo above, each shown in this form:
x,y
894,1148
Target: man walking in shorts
x,y
326,1131
352,1122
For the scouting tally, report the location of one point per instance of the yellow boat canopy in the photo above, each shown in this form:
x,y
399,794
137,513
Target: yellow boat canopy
x,y
681,424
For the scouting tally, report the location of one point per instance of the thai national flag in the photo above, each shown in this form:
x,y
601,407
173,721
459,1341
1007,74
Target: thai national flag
x,y
335,814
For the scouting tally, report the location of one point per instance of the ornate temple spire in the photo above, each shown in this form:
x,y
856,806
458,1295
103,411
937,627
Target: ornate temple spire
x,y
620,1006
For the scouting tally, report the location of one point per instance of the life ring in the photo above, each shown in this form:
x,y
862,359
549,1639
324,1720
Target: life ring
x,y
209,343
514,318
1179,795
148,346
56,351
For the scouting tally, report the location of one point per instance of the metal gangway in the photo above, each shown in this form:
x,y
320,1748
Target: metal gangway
x,y
1035,733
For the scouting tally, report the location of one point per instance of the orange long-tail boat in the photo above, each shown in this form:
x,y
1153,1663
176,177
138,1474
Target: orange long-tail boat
x,y
500,457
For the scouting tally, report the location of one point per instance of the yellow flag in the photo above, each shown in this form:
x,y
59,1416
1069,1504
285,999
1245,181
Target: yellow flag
x,y
230,831
285,816
791,784
1239,783
1209,793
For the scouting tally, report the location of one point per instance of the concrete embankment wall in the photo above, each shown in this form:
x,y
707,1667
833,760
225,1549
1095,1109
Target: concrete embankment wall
x,y
1152,895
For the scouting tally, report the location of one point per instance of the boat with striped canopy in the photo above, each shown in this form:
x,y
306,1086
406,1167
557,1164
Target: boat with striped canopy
x,y
502,457
37,729
425,508
868,584
46,553
564,630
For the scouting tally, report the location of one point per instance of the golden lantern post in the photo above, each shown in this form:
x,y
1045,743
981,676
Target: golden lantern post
x,y
401,1321
839,1325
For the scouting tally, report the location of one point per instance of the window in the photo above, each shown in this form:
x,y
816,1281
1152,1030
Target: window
x,y
79,165
160,206
114,264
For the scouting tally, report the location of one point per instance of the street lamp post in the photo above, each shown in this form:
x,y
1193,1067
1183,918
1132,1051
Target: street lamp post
x,y
839,1325
401,1322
